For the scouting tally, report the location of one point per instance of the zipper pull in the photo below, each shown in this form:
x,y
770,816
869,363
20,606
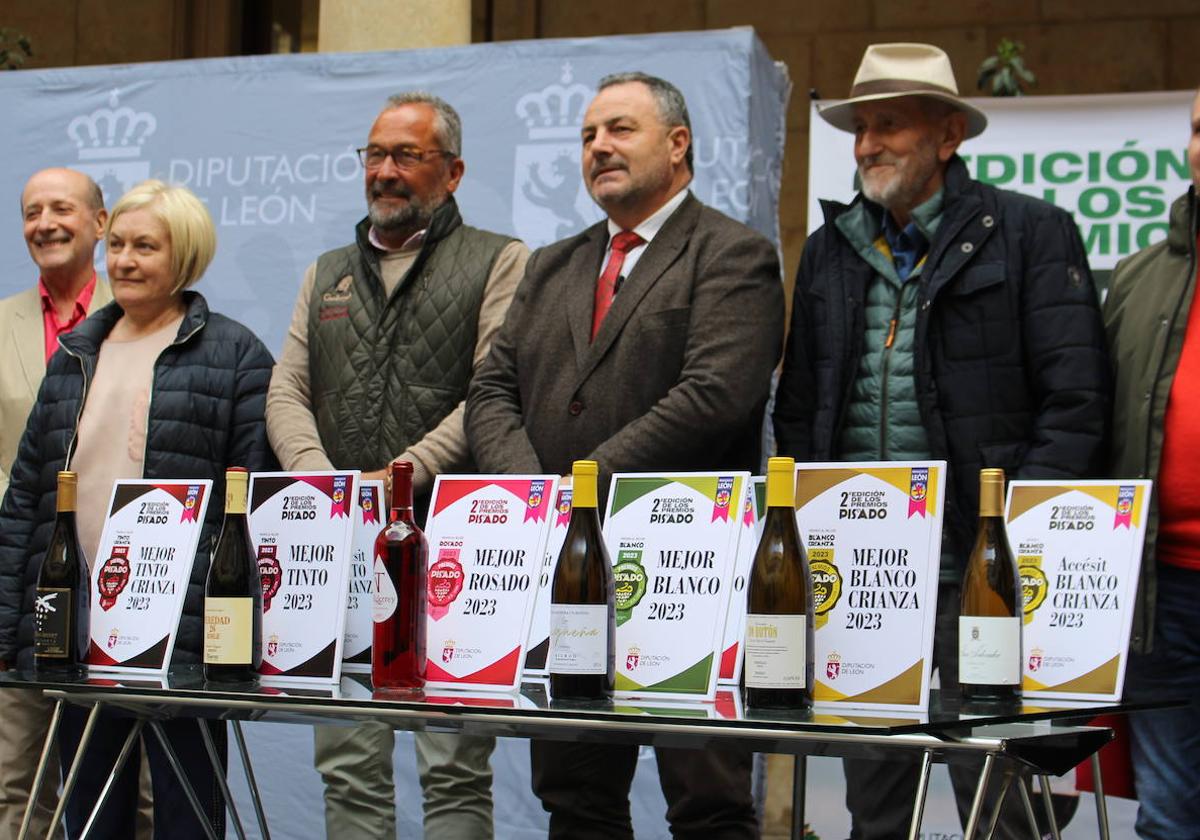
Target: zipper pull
x,y
891,336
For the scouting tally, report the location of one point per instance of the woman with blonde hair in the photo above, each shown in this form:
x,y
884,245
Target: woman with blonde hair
x,y
154,385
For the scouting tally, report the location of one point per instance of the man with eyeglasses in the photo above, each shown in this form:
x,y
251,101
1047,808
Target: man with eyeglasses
x,y
385,337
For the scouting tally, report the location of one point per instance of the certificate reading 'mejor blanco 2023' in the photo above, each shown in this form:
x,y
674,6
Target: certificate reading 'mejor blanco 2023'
x,y
873,536
1078,546
672,540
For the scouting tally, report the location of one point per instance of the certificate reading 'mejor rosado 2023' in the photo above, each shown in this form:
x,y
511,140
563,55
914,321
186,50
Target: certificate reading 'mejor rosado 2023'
x,y
672,540
1078,546
487,537
873,534
140,572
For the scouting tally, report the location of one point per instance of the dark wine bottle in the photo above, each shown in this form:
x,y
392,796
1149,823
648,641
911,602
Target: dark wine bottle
x,y
583,619
62,611
233,600
398,596
778,660
989,624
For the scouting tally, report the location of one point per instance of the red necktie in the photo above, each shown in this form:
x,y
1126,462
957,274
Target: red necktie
x,y
606,286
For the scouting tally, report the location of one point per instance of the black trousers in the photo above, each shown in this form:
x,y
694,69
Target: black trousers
x,y
880,794
174,818
585,788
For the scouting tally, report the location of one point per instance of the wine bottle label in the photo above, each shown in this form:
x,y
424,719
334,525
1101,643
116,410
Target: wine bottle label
x,y
775,656
989,650
228,631
383,593
578,639
52,622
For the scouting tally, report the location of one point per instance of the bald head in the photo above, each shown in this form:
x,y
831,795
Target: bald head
x,y
63,216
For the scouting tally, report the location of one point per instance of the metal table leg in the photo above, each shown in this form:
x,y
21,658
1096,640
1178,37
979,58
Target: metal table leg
x,y
1101,804
799,781
73,773
914,828
980,791
255,798
995,820
130,740
184,782
35,789
1048,803
219,771
1027,802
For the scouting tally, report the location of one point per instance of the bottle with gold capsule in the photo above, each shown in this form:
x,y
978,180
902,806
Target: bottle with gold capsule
x,y
778,660
989,624
62,609
233,600
582,601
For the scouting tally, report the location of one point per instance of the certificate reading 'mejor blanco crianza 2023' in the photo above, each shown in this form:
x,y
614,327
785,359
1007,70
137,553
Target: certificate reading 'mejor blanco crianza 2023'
x,y
1078,546
873,534
487,538
754,508
672,540
302,524
140,572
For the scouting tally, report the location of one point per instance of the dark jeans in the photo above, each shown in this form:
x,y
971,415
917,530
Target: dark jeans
x,y
585,787
880,794
174,818
1165,744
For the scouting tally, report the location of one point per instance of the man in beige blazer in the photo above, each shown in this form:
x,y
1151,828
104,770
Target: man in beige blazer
x,y
63,215
646,342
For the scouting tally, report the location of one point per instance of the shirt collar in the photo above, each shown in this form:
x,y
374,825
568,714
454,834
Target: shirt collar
x,y
650,226
82,301
413,241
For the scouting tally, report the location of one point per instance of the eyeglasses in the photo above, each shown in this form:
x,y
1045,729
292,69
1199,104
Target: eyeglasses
x,y
405,157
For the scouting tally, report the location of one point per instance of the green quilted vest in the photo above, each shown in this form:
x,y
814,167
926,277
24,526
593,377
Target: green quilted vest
x,y
384,371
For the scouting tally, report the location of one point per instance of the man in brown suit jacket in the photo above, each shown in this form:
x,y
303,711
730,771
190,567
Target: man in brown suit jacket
x,y
663,363
63,218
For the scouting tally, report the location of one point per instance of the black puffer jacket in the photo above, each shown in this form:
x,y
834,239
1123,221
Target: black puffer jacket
x,y
1009,363
206,413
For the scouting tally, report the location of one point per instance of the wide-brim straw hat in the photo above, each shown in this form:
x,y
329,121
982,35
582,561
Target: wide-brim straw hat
x,y
889,71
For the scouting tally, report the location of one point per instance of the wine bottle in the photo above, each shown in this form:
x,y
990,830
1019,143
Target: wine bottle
x,y
398,596
62,608
233,600
778,661
583,618
989,624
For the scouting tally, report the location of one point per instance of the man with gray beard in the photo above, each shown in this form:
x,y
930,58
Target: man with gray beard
x,y
385,338
937,317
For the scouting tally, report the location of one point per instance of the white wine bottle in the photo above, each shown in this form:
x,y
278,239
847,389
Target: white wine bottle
x,y
989,624
233,601
582,607
778,660
62,607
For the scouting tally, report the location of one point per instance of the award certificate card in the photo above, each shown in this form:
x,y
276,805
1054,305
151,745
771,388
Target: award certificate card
x,y
370,516
539,630
1078,546
302,526
140,573
873,533
672,540
487,541
754,507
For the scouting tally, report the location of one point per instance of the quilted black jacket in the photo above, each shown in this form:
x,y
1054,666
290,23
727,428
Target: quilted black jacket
x,y
1010,361
206,413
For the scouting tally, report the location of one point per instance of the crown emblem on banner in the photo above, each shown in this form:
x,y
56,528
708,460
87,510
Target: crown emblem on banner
x,y
111,132
556,110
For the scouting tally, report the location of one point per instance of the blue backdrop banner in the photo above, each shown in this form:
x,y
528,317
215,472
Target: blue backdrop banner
x,y
268,142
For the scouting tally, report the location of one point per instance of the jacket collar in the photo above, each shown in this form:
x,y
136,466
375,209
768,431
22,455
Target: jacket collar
x,y
85,339
444,222
1181,232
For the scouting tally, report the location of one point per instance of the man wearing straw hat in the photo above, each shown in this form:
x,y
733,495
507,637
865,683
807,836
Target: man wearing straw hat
x,y
938,317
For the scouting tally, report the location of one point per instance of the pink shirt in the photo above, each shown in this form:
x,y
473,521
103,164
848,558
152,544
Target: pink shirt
x,y
52,327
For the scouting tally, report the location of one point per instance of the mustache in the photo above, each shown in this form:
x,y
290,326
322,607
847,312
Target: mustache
x,y
609,165
390,190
